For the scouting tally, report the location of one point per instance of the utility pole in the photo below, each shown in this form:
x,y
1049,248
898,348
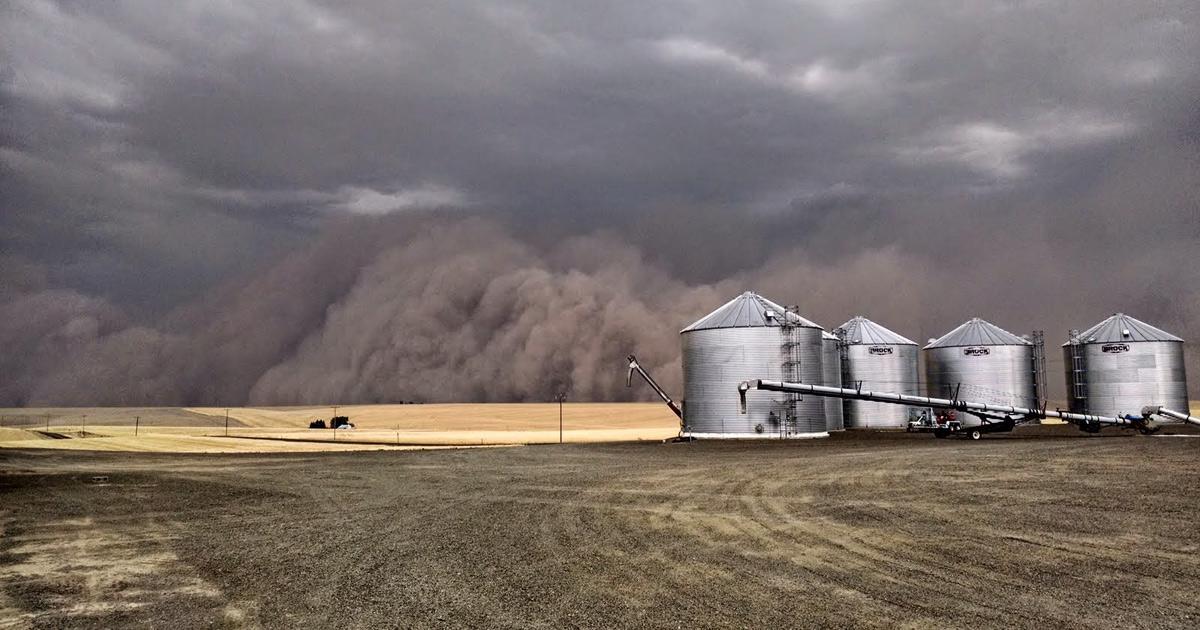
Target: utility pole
x,y
560,398
83,428
136,421
227,422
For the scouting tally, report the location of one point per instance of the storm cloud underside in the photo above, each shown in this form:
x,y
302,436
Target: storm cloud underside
x,y
365,202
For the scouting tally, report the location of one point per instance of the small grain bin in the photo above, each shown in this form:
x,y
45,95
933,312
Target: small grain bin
x,y
877,359
1123,364
981,362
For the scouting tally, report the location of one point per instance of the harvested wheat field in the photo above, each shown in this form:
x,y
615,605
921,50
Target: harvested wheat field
x,y
465,424
460,416
1043,528
203,430
176,443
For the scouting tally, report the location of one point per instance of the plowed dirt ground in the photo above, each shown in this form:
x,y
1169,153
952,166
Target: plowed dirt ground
x,y
1043,528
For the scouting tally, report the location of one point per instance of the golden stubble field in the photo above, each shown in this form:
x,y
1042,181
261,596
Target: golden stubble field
x,y
285,429
377,427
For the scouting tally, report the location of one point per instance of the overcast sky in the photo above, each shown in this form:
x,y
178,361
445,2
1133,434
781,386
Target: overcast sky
x,y
150,151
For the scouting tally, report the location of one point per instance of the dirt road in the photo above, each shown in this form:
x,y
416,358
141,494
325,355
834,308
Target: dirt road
x,y
1051,529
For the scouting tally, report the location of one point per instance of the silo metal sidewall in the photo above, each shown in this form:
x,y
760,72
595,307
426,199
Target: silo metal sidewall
x,y
1121,378
989,374
895,372
831,369
716,361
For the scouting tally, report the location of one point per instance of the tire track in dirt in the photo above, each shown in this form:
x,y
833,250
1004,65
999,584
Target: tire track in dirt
x,y
852,532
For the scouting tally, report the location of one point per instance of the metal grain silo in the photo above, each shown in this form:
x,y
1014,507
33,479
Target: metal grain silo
x,y
981,362
878,360
831,370
751,337
1123,364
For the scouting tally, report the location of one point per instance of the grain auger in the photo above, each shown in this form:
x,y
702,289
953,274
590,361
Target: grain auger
x,y
993,418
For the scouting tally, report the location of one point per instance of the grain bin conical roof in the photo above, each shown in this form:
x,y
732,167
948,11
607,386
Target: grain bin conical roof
x,y
978,332
862,330
749,310
1121,327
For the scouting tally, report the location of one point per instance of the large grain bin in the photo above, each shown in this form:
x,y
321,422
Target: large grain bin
x,y
751,337
981,362
1123,364
831,370
880,360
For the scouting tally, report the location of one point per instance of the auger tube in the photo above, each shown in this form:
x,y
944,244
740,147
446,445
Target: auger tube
x,y
976,408
1146,411
634,366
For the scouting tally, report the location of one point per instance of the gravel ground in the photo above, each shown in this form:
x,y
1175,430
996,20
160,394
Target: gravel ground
x,y
1045,528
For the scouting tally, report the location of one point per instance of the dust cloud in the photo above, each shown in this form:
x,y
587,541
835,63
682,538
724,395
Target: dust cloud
x,y
435,308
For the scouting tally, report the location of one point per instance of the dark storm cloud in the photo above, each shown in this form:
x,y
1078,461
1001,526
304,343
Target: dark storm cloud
x,y
918,162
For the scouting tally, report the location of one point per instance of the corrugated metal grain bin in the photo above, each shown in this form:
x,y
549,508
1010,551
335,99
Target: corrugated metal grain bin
x,y
831,369
880,360
751,337
1123,364
981,362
